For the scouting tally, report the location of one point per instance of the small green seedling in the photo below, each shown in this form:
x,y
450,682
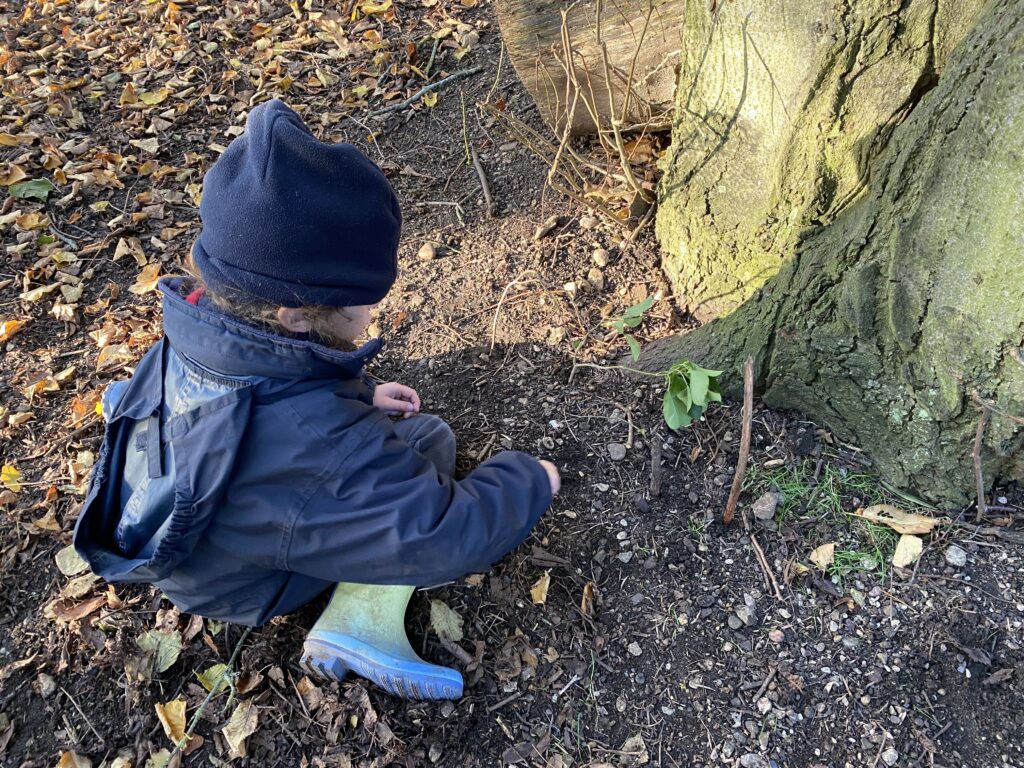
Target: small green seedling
x,y
689,389
631,319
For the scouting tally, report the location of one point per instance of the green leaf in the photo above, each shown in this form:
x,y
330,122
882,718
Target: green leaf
x,y
675,415
164,647
619,325
446,622
634,347
632,322
699,384
638,309
39,189
681,391
214,676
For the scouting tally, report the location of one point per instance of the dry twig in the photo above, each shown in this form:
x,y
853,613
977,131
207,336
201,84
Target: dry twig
x,y
741,463
769,576
979,437
488,201
425,90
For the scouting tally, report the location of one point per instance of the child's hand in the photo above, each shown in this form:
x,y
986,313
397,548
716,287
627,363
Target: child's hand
x,y
396,399
553,477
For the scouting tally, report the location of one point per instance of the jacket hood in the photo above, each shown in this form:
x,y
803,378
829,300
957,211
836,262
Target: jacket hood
x,y
231,347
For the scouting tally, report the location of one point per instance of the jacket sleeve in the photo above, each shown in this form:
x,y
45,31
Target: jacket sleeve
x,y
387,516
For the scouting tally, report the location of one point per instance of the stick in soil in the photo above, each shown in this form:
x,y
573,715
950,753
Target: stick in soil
x,y
979,477
741,463
214,688
769,576
426,89
488,201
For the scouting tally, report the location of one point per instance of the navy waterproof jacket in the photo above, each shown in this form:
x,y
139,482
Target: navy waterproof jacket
x,y
244,473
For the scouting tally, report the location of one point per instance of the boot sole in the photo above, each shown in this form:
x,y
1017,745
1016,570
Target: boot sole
x,y
333,658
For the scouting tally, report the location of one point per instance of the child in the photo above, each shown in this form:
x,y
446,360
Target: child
x,y
248,464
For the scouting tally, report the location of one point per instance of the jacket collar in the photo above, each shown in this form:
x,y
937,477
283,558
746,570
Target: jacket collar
x,y
233,348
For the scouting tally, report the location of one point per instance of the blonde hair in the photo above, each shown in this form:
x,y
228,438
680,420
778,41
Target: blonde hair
x,y
263,314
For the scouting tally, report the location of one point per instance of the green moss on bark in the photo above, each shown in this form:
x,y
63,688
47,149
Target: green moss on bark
x,y
889,319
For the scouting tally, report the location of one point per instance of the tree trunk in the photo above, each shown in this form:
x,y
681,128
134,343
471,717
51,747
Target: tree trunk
x,y
884,209
642,43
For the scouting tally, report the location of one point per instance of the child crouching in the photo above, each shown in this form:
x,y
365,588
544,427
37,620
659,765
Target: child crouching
x,y
249,465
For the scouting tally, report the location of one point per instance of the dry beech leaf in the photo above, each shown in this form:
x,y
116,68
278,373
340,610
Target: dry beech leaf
x,y
908,550
113,356
147,279
10,327
824,555
172,718
587,601
130,246
900,521
539,591
73,760
243,723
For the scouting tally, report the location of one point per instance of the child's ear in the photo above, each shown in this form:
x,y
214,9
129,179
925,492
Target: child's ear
x,y
294,319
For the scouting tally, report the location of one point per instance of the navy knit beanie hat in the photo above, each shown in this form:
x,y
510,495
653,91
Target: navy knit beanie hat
x,y
296,222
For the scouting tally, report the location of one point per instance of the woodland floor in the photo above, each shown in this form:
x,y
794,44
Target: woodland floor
x,y
683,657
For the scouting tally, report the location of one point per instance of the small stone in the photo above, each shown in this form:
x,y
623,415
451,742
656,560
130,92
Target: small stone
x,y
636,599
434,753
624,557
890,756
752,760
746,615
764,508
634,649
596,278
776,635
600,257
545,228
589,222
570,287
956,556
427,252
764,705
45,685
616,451
734,622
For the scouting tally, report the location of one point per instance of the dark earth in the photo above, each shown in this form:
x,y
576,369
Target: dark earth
x,y
661,640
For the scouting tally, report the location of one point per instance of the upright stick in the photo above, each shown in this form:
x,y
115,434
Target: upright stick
x,y
741,462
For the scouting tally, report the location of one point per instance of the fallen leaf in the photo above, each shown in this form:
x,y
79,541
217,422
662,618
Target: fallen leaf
x,y
900,521
172,718
539,591
113,356
30,221
10,478
159,759
587,601
73,760
823,556
163,647
311,695
69,562
152,98
12,175
908,549
446,622
213,676
10,327
147,279
150,146
38,189
66,611
243,723
130,246
37,293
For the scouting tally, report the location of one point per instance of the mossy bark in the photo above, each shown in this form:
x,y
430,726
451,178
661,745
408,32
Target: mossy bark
x,y
781,108
897,301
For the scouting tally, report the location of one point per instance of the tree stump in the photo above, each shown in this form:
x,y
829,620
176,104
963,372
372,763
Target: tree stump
x,y
633,47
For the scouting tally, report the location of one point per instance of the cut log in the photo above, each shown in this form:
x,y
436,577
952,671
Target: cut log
x,y
639,41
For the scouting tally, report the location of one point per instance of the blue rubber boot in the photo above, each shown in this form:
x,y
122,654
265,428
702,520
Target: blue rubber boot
x,y
362,630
